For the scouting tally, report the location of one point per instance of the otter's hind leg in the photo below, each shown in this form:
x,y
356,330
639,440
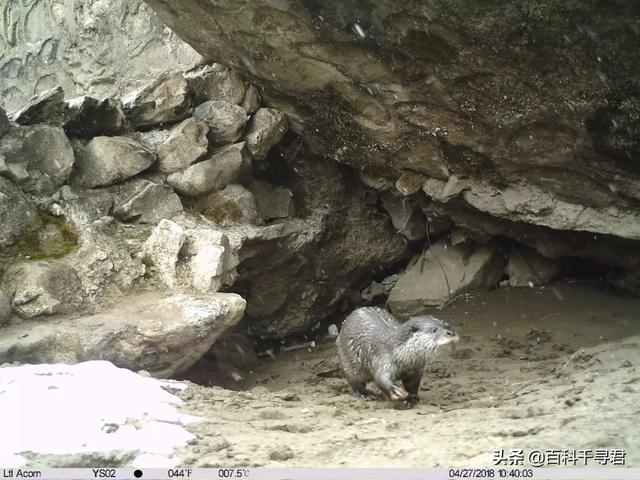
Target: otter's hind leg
x,y
412,384
356,379
359,386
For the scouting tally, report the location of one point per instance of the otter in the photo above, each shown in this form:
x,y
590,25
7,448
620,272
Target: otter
x,y
374,346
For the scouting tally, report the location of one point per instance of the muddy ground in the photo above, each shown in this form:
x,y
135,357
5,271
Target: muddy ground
x,y
542,368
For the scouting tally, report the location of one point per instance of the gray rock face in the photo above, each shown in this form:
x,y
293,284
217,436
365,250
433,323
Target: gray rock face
x,y
442,97
42,288
186,144
215,82
273,202
443,272
232,204
226,121
325,254
17,214
105,260
47,106
228,165
5,308
406,217
145,333
266,128
88,47
527,267
142,201
108,160
165,100
89,117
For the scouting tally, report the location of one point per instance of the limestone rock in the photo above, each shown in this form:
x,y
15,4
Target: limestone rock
x,y
106,435
165,100
17,213
207,254
186,144
108,160
89,117
251,102
445,271
105,260
266,128
4,122
163,336
406,217
232,204
226,166
98,49
42,288
162,249
45,107
273,202
526,267
226,121
142,201
215,82
5,308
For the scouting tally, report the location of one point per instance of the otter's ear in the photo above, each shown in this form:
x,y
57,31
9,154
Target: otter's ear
x,y
414,328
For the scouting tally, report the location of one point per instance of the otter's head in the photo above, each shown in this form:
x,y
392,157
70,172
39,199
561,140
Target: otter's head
x,y
431,330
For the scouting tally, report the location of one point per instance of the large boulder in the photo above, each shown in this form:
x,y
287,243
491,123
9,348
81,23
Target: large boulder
x,y
42,288
226,166
164,100
445,271
215,82
186,144
89,117
162,335
226,121
143,201
102,426
108,160
17,213
39,158
266,128
45,107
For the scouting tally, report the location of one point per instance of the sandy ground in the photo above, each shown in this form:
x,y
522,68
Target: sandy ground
x,y
556,367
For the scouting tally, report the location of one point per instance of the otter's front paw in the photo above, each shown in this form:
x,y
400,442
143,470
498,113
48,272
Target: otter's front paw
x,y
398,393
